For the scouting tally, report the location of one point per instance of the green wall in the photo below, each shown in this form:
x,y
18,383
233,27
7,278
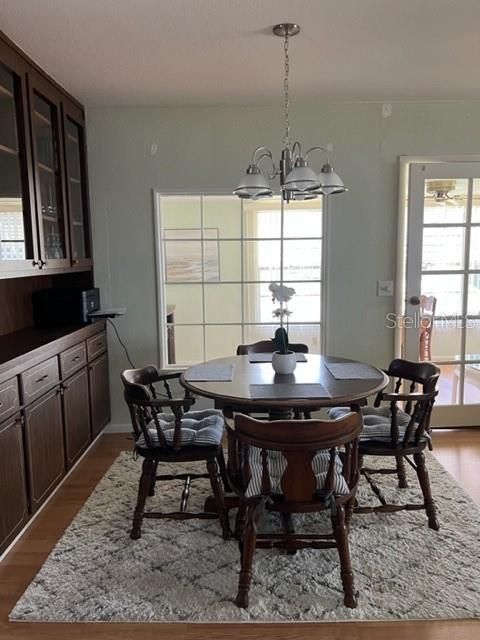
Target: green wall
x,y
207,148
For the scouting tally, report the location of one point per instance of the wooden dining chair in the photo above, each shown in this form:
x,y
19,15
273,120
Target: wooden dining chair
x,y
268,346
288,467
398,427
179,435
428,305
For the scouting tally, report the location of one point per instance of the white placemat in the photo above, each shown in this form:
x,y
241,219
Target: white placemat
x,y
352,371
210,373
284,391
267,357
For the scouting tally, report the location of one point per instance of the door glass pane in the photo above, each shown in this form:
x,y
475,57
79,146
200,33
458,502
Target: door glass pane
x,y
474,294
222,259
305,305
183,259
15,234
181,216
475,248
223,213
222,341
185,301
303,219
306,334
223,303
472,348
262,218
76,188
443,248
186,345
255,333
476,201
471,391
447,289
445,200
449,384
446,339
45,125
302,260
261,260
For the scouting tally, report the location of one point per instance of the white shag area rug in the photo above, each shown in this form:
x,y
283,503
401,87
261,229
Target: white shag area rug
x,y
184,571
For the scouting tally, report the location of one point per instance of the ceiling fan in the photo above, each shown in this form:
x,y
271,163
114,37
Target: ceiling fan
x,y
439,191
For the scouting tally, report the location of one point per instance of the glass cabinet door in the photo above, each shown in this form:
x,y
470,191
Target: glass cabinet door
x,y
47,164
17,248
77,195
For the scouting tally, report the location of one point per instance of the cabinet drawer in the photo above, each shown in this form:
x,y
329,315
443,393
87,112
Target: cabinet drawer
x,y
96,345
39,379
9,400
73,359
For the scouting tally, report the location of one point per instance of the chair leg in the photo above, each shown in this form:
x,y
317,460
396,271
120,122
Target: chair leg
x,y
151,491
401,472
426,490
349,507
240,523
223,470
341,538
248,552
217,489
143,489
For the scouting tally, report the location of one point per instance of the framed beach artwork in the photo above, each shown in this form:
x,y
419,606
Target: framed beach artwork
x,y
183,255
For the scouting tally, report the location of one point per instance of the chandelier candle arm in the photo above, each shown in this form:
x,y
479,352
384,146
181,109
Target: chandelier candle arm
x,y
298,181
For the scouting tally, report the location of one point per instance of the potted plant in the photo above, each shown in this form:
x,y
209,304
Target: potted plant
x,y
284,361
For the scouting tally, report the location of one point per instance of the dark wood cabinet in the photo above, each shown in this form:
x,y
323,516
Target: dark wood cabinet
x,y
18,232
44,446
48,161
44,204
99,394
76,177
76,416
13,488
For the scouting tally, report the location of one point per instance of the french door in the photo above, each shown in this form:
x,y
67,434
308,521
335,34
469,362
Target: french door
x,y
441,314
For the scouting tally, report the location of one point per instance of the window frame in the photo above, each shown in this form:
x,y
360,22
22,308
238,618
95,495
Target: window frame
x,y
158,194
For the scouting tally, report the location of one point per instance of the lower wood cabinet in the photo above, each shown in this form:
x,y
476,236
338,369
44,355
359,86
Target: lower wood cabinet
x,y
99,394
76,416
13,486
45,446
52,405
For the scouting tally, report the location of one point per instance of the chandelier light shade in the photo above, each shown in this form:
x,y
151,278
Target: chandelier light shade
x,y
298,181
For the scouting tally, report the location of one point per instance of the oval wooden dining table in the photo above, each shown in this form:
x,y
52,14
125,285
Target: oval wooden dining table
x,y
236,394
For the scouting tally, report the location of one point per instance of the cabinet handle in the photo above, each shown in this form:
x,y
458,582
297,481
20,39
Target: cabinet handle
x,y
75,261
1,404
41,379
37,263
76,359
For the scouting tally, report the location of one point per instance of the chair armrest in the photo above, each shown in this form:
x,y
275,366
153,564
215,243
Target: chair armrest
x,y
174,403
405,397
167,375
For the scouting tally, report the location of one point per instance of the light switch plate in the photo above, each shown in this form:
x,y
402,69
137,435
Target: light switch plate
x,y
385,288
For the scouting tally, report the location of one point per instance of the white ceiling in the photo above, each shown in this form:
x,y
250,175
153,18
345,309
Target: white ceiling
x,y
132,52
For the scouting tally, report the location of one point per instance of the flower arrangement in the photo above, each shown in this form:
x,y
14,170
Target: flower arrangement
x,y
282,295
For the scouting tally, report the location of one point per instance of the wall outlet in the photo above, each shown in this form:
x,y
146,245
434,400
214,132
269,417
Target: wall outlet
x,y
385,288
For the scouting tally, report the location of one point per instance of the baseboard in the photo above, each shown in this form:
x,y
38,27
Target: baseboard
x,y
118,428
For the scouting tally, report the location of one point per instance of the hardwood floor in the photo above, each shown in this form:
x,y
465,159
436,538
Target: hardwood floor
x,y
458,451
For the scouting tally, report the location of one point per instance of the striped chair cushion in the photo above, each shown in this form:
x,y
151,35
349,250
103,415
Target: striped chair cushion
x,y
277,465
199,429
376,422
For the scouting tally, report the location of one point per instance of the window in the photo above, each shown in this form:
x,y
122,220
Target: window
x,y
217,256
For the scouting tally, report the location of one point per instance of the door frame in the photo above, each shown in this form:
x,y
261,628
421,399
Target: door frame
x,y
404,164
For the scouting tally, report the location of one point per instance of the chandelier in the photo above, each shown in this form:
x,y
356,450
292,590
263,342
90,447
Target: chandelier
x,y
298,181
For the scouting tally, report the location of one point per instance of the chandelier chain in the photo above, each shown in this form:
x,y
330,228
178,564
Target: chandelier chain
x,y
286,139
